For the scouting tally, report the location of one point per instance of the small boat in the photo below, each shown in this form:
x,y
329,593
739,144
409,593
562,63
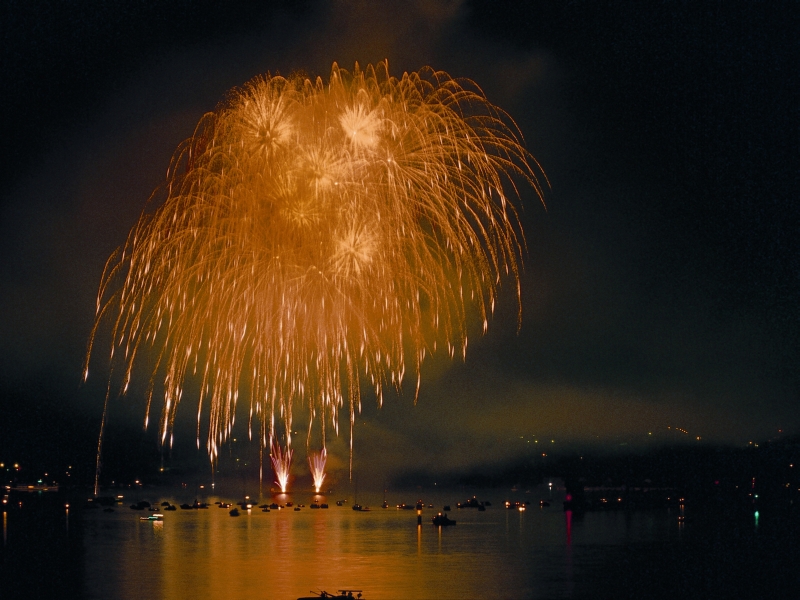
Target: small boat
x,y
323,505
543,503
342,595
153,517
471,503
274,506
441,520
297,508
340,503
234,512
265,509
314,505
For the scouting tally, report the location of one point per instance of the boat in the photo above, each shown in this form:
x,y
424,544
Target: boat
x,y
153,517
39,486
471,503
441,520
234,512
341,595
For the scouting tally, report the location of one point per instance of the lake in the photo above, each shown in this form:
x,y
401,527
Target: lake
x,y
50,550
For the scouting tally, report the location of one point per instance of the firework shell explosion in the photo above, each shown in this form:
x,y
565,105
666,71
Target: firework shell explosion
x,y
312,237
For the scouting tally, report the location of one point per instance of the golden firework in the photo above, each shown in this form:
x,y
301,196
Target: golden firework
x,y
313,236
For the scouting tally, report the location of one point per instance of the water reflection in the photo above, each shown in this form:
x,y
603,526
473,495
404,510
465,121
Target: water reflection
x,y
284,554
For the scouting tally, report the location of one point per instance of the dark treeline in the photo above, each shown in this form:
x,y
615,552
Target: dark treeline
x,y
758,475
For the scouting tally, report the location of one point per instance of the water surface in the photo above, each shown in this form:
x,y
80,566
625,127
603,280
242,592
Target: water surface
x,y
541,553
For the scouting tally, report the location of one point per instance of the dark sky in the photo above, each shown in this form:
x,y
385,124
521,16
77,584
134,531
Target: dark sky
x,y
661,283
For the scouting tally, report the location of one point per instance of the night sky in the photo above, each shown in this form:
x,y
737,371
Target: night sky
x,y
661,281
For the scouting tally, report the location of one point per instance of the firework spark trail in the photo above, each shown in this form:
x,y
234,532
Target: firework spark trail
x,y
312,236
316,463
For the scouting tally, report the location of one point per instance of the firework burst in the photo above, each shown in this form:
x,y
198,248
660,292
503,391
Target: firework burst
x,y
313,236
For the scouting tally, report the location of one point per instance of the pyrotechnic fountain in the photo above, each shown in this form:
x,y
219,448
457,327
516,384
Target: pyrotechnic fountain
x,y
281,463
311,236
316,464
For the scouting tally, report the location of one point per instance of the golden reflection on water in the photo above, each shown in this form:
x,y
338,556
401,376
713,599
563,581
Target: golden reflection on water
x,y
284,554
